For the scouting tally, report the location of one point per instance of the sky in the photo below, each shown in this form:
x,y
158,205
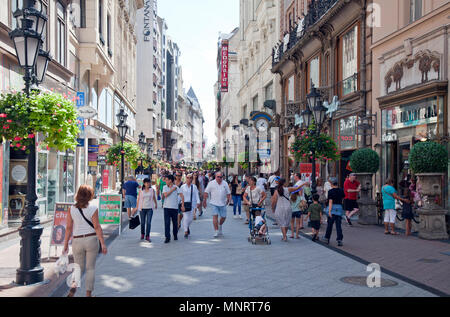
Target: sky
x,y
195,26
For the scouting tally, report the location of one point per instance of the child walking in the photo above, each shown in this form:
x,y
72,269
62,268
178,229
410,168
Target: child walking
x,y
296,200
314,216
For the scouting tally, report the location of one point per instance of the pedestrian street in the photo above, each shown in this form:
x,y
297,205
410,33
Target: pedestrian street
x,y
229,266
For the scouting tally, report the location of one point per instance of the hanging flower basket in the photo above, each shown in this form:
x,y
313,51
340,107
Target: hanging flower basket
x,y
53,115
323,145
132,154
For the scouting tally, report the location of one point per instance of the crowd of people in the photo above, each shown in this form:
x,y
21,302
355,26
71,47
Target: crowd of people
x,y
184,198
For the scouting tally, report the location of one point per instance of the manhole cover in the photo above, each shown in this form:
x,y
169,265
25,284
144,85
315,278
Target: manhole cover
x,y
6,272
362,281
429,260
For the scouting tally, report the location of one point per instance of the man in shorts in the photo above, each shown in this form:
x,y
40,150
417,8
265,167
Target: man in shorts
x,y
130,194
389,196
351,189
220,195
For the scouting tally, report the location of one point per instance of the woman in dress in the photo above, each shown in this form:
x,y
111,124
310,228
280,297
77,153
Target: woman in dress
x,y
282,206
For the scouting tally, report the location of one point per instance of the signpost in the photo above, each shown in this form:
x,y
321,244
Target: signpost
x,y
109,211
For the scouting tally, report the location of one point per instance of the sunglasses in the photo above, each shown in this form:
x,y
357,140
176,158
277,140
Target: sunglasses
x,y
219,176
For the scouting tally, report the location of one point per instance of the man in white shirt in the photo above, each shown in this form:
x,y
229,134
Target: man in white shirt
x,y
261,182
272,183
170,194
220,195
299,183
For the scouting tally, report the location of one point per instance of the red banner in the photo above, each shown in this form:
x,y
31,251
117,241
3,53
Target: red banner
x,y
105,179
306,171
224,77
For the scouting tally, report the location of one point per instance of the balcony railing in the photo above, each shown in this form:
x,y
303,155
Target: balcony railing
x,y
316,10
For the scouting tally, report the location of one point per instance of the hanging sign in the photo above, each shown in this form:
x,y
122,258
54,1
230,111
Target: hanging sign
x,y
224,77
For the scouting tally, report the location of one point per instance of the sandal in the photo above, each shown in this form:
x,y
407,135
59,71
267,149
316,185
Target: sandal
x,y
395,233
72,292
387,232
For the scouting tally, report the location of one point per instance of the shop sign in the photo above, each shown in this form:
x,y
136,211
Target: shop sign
x,y
109,211
101,160
87,112
347,135
224,77
105,179
81,99
306,171
60,224
412,115
92,155
80,142
389,137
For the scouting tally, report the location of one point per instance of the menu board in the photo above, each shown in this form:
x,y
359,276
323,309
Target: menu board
x,y
109,211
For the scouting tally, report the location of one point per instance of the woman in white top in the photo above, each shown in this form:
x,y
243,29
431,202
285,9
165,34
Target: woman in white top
x,y
83,222
188,194
254,196
146,203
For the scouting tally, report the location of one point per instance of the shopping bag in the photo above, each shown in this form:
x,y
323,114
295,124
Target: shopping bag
x,y
61,264
135,222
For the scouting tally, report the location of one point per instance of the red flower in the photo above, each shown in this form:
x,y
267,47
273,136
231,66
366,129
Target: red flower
x,y
9,121
17,138
24,148
5,127
18,145
3,115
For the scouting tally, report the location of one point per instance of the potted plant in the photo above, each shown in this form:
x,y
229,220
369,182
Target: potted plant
x,y
364,163
428,161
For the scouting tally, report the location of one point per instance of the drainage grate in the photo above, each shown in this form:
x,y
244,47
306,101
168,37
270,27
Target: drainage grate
x,y
429,260
362,281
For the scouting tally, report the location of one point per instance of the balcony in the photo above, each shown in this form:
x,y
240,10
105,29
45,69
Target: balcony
x,y
316,10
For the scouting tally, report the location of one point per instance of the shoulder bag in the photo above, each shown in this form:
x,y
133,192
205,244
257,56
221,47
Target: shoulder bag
x,y
92,225
188,205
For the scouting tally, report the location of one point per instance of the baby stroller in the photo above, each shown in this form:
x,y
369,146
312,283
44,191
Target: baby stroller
x,y
255,237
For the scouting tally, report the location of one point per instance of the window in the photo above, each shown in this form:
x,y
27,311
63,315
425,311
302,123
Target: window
x,y
100,21
313,73
415,10
244,114
15,4
61,34
255,103
108,31
349,61
82,13
268,91
291,93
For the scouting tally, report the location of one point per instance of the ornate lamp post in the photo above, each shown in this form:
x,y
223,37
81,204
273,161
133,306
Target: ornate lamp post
x,y
142,145
316,113
123,129
27,43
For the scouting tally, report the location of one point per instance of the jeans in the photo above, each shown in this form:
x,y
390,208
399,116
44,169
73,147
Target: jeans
x,y
237,199
146,221
170,214
331,221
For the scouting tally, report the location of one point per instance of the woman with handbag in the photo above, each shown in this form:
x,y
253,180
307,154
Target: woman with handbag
x,y
254,196
84,224
146,205
189,200
236,195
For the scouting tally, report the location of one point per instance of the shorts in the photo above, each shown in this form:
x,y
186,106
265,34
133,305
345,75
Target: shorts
x,y
219,211
390,215
130,201
315,224
351,204
272,190
297,214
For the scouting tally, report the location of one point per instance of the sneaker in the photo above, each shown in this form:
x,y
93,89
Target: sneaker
x,y
314,238
216,234
220,231
240,217
235,217
340,244
148,239
348,221
167,240
142,237
186,235
175,238
327,241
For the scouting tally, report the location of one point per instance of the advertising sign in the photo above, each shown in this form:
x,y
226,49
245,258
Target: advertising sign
x,y
224,77
109,211
306,171
92,155
60,224
105,179
81,99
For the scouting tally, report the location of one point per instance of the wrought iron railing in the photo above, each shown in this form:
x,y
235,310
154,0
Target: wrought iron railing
x,y
316,10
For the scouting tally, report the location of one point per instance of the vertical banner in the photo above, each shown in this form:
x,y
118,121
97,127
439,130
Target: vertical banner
x,y
60,224
224,71
105,179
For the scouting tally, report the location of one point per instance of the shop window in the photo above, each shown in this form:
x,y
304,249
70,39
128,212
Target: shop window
x,y
345,133
349,44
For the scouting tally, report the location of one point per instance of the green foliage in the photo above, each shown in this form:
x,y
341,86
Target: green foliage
x,y
132,154
428,157
308,142
53,115
224,163
365,161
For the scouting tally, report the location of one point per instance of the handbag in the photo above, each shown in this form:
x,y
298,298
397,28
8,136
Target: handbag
x,y
92,225
188,205
239,189
134,223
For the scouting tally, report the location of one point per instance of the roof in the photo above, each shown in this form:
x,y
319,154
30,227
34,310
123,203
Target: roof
x,y
192,95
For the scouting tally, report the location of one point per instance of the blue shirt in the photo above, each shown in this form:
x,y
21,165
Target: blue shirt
x,y
388,199
131,188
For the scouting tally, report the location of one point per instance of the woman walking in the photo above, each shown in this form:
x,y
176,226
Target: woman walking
x,y
196,182
296,201
146,204
83,223
254,196
282,206
236,195
189,201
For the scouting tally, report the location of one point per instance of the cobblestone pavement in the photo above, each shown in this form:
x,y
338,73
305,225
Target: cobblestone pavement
x,y
229,266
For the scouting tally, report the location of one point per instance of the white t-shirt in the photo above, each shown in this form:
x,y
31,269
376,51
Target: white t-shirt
x,y
327,188
302,193
255,196
80,226
186,191
148,199
218,193
258,220
272,182
261,182
171,201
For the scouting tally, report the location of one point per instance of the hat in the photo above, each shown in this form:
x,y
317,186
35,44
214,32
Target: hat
x,y
333,180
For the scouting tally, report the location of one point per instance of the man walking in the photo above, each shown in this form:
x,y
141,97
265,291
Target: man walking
x,y
335,212
220,195
170,194
129,192
273,183
351,188
261,182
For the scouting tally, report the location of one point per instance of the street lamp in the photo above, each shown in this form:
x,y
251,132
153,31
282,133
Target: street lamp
x,y
123,129
27,43
142,145
317,112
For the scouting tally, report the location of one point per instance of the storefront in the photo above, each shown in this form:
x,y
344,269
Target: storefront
x,y
403,126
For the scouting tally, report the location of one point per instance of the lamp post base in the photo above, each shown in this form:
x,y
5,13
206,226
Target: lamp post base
x,y
30,271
